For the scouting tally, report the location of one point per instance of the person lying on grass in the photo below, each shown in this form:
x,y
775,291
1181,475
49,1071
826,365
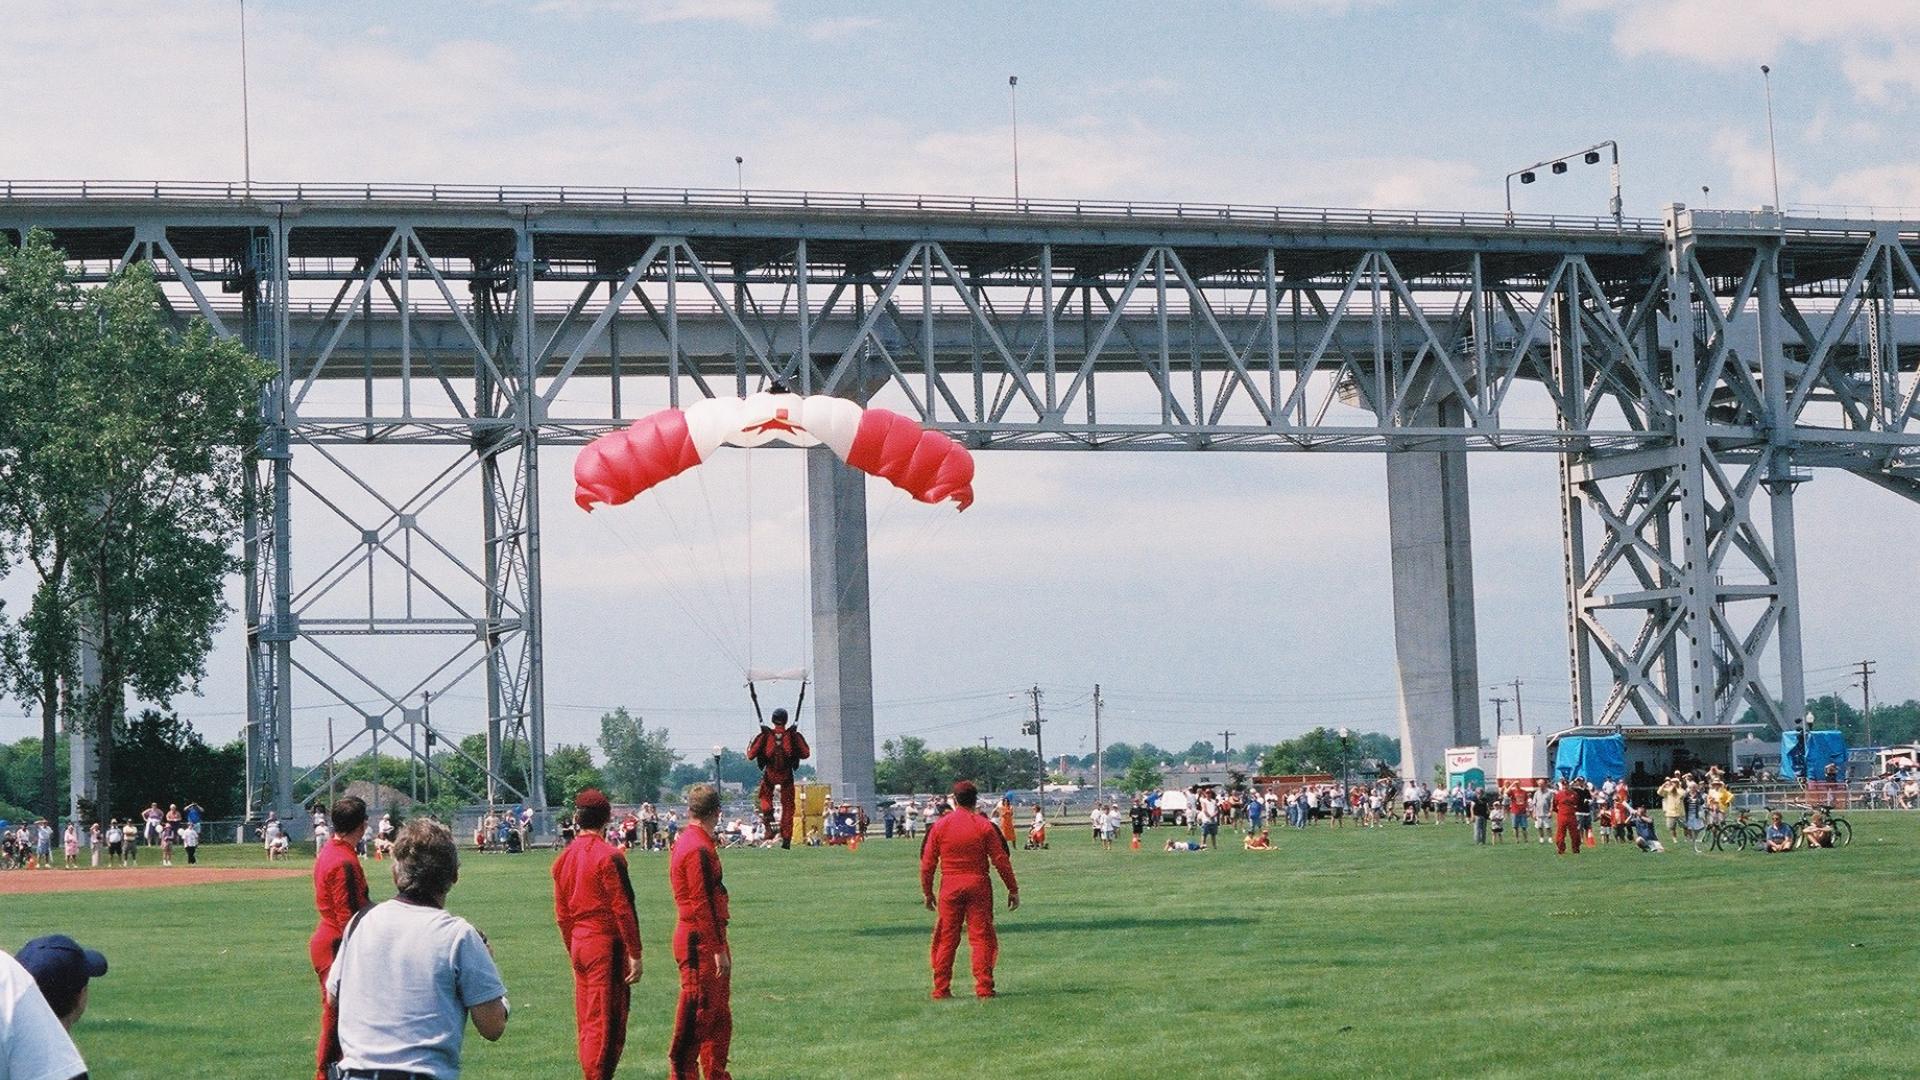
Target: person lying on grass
x,y
1184,845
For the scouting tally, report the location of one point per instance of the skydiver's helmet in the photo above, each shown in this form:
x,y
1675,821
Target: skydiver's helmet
x,y
779,718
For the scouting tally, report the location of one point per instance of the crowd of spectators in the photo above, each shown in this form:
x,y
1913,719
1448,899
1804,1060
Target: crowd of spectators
x,y
41,844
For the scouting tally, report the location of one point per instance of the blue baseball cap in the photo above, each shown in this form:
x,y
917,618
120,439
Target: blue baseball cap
x,y
58,963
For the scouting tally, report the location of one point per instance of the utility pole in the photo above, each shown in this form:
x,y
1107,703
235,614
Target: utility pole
x,y
1498,718
330,795
1226,746
1519,713
1099,750
1032,727
1866,672
426,721
984,740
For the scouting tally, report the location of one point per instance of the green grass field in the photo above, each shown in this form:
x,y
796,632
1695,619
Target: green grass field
x,y
1395,952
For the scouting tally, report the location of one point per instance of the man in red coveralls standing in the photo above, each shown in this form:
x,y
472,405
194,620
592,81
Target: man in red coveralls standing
x,y
1566,811
960,845
703,1023
339,892
778,751
593,903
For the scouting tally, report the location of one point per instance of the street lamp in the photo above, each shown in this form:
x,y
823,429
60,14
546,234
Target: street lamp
x,y
1344,736
717,751
1558,167
739,174
1013,98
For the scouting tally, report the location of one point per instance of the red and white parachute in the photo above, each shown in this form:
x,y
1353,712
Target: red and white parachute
x,y
927,465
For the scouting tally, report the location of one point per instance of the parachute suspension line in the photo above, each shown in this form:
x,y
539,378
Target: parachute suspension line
x,y
720,558
806,592
750,569
666,586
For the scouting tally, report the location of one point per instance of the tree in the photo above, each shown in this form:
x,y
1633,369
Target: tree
x,y
905,767
638,760
21,777
177,766
1141,775
570,770
122,443
734,769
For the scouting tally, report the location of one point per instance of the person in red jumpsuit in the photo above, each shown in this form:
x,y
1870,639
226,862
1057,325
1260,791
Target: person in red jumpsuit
x,y
1566,811
339,893
593,903
778,751
703,1022
960,846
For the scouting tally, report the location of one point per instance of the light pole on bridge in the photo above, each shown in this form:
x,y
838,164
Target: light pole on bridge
x,y
1558,166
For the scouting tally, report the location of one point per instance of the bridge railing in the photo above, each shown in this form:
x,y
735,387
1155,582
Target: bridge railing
x,y
734,200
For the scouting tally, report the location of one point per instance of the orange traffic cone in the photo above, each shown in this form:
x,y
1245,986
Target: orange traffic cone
x,y
1136,843
853,844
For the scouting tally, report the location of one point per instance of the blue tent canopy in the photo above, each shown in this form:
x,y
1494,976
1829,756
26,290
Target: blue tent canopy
x,y
1594,758
1811,760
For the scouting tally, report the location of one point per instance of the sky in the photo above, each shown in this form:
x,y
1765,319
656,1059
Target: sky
x,y
1246,593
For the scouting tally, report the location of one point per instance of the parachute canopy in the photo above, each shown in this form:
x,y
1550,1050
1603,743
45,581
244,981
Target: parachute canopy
x,y
927,465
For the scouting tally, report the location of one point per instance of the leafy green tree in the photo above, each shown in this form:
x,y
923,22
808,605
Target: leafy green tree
x,y
1892,724
1322,751
177,766
905,767
1141,775
122,442
570,770
1200,753
21,776
638,760
734,769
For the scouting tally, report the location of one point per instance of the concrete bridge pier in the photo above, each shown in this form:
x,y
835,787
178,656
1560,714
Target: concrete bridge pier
x,y
842,696
1433,620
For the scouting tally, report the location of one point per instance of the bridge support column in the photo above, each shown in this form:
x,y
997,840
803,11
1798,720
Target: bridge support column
x,y
842,627
1433,620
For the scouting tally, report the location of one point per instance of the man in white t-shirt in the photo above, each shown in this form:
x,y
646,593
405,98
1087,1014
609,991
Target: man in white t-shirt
x,y
34,1044
409,973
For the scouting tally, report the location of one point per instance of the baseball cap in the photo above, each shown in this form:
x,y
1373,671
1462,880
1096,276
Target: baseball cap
x,y
59,964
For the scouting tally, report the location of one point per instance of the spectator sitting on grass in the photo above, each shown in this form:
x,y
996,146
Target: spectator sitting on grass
x,y
1644,836
1258,842
1779,837
1818,832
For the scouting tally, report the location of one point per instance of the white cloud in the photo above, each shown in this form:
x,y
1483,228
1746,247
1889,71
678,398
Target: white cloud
x,y
744,12
1877,39
840,28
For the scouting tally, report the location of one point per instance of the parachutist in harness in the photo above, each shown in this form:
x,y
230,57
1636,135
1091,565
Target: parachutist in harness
x,y
778,750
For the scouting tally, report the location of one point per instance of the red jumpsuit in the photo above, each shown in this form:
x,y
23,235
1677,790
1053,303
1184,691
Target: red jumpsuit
x,y
960,845
703,1023
593,903
778,751
1566,807
339,892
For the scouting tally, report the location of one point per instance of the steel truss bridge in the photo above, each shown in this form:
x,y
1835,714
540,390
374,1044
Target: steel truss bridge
x,y
1688,373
